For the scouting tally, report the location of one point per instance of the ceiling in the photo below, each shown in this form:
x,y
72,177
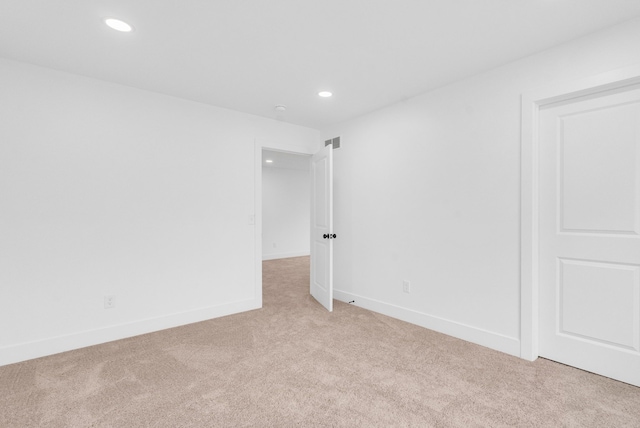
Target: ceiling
x,y
285,160
250,55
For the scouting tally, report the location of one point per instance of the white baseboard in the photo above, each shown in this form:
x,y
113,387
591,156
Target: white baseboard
x,y
30,350
55,345
508,345
284,255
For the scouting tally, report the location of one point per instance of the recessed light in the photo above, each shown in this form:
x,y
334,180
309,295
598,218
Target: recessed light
x,y
325,94
269,161
119,25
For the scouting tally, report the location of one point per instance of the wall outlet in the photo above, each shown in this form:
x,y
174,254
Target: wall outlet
x,y
406,286
109,302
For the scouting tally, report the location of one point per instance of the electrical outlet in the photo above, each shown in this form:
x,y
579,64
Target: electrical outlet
x,y
109,302
406,286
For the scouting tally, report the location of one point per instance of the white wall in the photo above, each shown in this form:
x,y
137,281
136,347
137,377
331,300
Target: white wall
x,y
429,190
109,190
285,213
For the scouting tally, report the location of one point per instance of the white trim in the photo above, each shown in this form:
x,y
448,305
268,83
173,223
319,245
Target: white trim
x,y
257,220
285,255
531,103
42,348
489,339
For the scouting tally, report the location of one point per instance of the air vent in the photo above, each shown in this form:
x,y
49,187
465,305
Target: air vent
x,y
334,141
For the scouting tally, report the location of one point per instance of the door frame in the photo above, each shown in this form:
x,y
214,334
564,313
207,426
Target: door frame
x,y
529,173
277,146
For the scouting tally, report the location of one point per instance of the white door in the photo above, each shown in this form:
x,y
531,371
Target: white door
x,y
322,227
590,233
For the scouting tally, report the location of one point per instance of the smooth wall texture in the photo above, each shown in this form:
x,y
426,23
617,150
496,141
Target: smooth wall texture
x,y
286,202
107,190
428,191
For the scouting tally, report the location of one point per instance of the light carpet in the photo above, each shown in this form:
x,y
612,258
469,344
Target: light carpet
x,y
293,364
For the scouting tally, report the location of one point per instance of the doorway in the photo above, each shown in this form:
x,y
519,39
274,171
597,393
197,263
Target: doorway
x,y
285,204
256,219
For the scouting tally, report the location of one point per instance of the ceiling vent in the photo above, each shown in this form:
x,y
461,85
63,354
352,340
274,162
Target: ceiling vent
x,y
334,141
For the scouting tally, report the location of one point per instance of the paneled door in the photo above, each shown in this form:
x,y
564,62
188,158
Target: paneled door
x,y
589,271
322,227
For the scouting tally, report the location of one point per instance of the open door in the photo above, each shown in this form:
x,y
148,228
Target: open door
x,y
322,227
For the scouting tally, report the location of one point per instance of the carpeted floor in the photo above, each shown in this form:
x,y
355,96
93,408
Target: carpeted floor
x,y
292,364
